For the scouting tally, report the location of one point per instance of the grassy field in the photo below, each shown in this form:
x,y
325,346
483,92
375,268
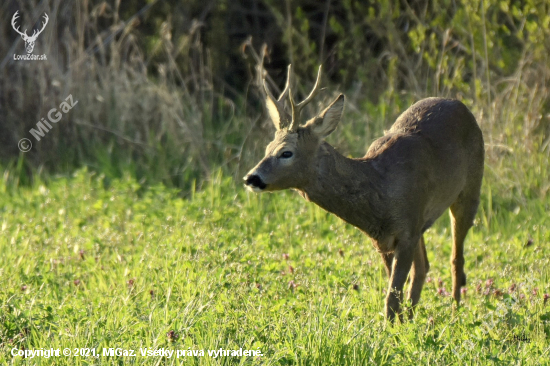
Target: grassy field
x,y
92,263
113,257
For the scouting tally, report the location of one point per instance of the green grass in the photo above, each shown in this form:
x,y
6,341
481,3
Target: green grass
x,y
86,264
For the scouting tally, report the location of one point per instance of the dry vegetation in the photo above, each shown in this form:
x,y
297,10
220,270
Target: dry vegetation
x,y
165,90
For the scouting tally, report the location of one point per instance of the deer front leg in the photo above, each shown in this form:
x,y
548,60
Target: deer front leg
x,y
402,262
388,260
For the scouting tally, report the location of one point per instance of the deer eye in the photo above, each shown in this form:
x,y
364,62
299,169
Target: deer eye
x,y
286,155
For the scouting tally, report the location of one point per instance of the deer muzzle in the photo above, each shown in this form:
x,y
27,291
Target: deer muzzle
x,y
254,183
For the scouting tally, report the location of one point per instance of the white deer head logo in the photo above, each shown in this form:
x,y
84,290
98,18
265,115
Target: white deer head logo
x,y
29,41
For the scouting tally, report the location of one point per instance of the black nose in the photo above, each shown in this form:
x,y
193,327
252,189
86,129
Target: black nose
x,y
255,181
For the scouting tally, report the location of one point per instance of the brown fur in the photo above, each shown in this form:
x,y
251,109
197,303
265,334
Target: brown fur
x,y
430,160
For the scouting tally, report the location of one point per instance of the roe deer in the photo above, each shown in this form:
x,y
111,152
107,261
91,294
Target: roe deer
x,y
430,160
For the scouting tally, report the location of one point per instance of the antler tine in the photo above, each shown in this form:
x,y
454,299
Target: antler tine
x,y
313,92
287,86
13,21
295,112
36,33
297,108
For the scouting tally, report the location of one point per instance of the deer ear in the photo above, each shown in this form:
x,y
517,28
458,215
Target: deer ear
x,y
328,120
278,116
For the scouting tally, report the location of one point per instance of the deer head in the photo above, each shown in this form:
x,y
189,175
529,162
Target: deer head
x,y
29,41
289,160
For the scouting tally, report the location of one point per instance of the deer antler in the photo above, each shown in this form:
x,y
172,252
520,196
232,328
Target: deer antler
x,y
287,86
13,20
297,108
36,33
278,103
287,91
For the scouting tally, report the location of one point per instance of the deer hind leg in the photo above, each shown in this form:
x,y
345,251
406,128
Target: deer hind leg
x,y
426,262
462,212
418,274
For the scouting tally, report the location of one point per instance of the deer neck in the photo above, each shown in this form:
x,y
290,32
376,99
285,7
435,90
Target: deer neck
x,y
349,188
